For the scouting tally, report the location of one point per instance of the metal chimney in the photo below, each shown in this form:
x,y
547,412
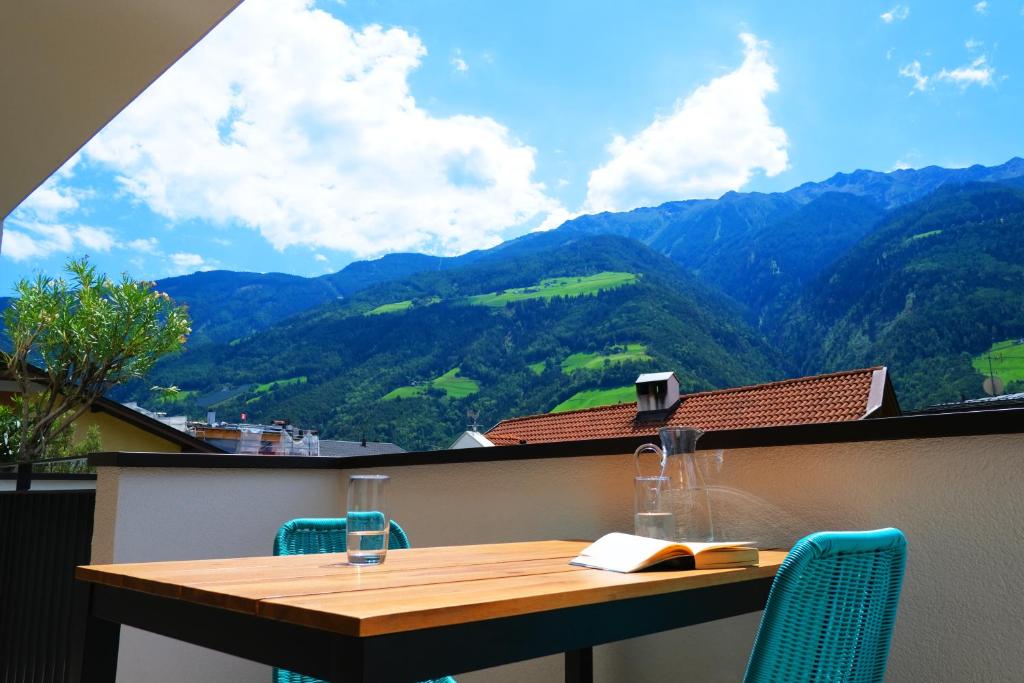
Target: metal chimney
x,y
656,392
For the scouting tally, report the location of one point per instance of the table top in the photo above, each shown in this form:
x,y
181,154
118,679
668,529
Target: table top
x,y
414,589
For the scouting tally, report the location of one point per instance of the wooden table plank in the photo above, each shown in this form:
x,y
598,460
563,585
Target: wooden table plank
x,y
164,578
244,596
416,588
392,610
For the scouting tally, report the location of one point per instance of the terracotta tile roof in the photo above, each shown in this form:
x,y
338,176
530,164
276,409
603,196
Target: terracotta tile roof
x,y
836,397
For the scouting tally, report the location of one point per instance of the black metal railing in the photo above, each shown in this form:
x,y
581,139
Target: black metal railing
x,y
43,536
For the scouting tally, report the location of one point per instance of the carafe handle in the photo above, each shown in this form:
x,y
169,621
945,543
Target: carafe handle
x,y
649,448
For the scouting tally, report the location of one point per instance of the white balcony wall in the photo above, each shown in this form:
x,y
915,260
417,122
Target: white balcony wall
x,y
958,500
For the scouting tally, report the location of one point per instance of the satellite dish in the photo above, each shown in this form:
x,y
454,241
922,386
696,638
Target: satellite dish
x,y
993,386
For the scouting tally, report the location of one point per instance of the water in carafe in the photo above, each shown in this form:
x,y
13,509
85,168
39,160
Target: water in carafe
x,y
686,496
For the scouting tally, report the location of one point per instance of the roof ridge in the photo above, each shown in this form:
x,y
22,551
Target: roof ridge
x,y
684,397
791,380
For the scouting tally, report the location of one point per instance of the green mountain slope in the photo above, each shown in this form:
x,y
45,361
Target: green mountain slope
x,y
761,249
410,375
933,287
227,305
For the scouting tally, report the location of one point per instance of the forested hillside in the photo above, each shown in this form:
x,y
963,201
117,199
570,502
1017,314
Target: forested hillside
x,y
934,286
492,337
761,249
228,305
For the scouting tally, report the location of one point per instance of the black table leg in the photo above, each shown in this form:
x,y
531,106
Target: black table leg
x,y
96,641
579,666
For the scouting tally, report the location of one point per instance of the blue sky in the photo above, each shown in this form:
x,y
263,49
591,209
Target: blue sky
x,y
298,136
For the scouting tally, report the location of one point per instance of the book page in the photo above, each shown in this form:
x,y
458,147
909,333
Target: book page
x,y
697,548
628,553
617,544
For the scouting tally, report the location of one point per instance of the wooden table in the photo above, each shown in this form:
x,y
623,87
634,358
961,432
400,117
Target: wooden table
x,y
424,613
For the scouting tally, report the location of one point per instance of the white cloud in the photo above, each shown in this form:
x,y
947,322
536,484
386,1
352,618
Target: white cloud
x,y
39,228
978,72
32,239
897,13
458,63
50,200
287,121
143,245
714,141
54,197
94,239
555,219
320,258
973,44
36,240
913,70
981,7
188,263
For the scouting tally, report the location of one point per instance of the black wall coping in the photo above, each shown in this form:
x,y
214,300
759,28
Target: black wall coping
x,y
977,423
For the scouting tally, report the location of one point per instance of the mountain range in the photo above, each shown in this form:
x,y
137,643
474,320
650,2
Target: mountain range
x,y
919,270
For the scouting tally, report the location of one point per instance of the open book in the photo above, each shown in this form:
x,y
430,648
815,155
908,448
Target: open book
x,y
627,553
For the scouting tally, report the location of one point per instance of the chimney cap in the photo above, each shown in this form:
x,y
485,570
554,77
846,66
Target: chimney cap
x,y
654,377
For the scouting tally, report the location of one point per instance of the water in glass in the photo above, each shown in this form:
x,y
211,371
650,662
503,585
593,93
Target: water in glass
x,y
367,520
367,547
651,517
661,525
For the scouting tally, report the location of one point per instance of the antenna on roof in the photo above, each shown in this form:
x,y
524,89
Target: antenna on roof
x,y
471,418
993,386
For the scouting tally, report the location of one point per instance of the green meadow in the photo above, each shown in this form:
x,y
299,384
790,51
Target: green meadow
x,y
278,383
552,287
400,306
922,235
597,397
173,398
620,353
549,288
1007,361
391,308
450,383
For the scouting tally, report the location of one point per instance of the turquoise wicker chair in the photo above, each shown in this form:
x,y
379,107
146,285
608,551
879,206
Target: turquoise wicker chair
x,y
309,536
831,610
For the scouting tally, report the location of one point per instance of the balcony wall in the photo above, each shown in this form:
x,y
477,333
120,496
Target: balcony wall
x,y
50,482
957,496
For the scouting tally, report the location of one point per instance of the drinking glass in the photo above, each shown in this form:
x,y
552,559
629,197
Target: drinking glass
x,y
367,518
652,517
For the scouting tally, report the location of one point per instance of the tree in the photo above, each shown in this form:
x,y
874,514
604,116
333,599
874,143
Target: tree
x,y
72,340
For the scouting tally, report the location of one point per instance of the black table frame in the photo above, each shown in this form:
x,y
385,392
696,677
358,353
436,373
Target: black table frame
x,y
422,654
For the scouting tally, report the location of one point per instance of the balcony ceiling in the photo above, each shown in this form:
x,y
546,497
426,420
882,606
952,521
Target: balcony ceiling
x,y
67,67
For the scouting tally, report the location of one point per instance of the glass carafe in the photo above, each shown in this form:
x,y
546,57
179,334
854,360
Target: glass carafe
x,y
687,495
